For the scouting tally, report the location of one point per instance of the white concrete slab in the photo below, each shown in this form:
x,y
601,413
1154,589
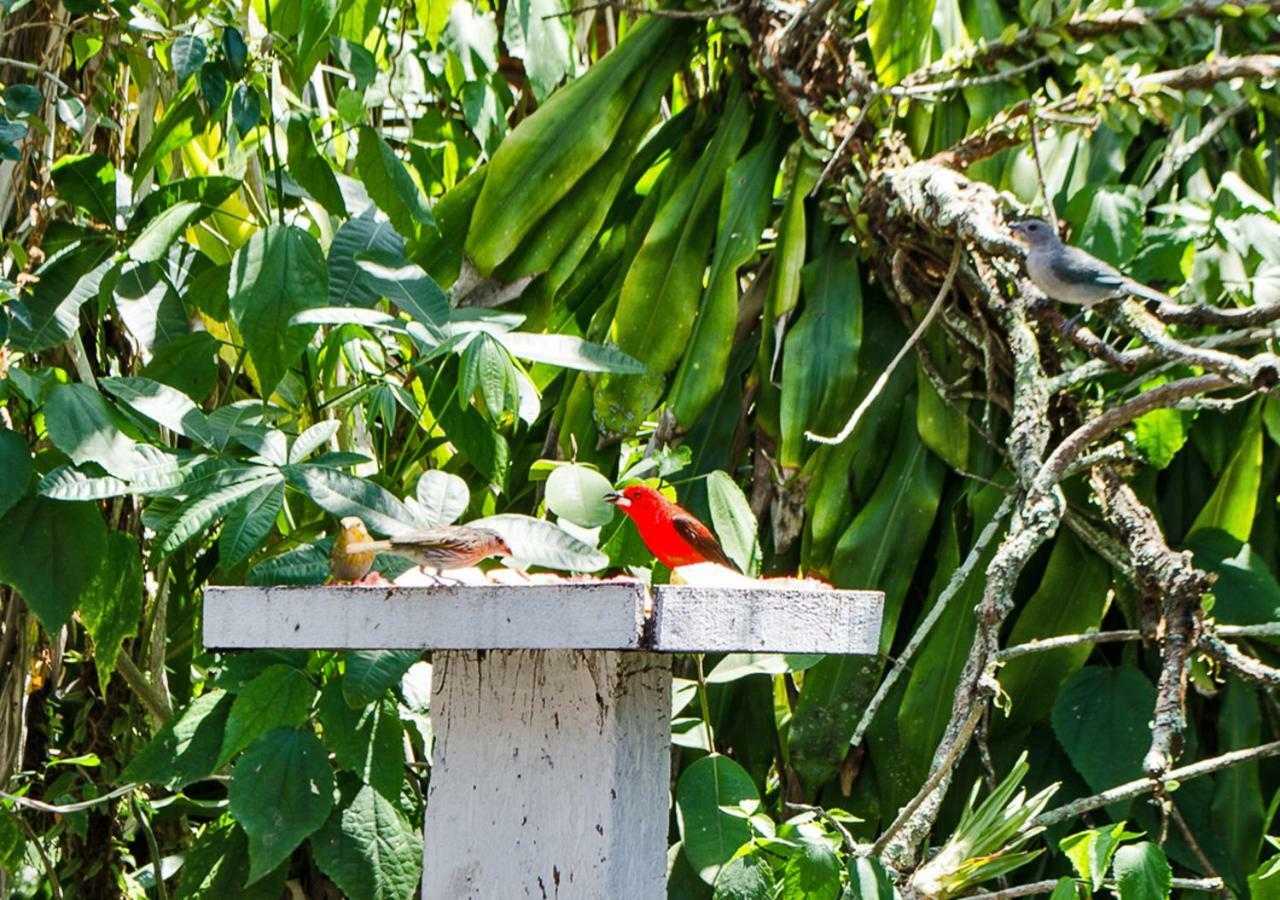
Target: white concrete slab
x,y
571,615
588,616
690,619
550,776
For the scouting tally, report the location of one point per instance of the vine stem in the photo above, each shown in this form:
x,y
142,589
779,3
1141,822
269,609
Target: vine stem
x,y
271,115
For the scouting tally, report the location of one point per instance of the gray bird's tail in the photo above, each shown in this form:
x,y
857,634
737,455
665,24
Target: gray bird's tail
x,y
1138,289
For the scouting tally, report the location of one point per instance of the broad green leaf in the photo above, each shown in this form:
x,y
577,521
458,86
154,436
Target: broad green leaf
x,y
710,835
369,849
534,32
246,108
23,99
348,495
734,522
185,749
304,565
390,184
747,877
406,285
163,404
156,239
15,464
361,234
368,674
111,606
900,35
68,280
1107,221
310,169
1143,873
1246,592
316,20
869,880
812,872
368,740
208,190
176,127
1065,889
569,352
487,374
49,552
537,542
576,493
280,271
149,306
250,521
740,665
1091,851
1234,501
217,866
202,510
89,182
281,792
1071,598
442,496
1237,813
281,696
186,364
1100,717
313,439
187,55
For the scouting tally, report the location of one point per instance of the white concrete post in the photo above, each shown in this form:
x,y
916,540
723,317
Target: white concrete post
x,y
551,709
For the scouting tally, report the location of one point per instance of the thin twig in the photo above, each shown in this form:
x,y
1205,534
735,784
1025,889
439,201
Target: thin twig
x,y
39,70
1035,156
63,809
883,379
1140,786
1068,640
1046,887
1178,156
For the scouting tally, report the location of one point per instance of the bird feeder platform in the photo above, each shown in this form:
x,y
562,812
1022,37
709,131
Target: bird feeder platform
x,y
551,708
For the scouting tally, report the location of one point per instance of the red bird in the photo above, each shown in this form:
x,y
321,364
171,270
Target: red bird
x,y
672,534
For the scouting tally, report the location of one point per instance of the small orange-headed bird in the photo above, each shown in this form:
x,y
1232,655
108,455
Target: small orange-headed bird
x,y
346,565
671,533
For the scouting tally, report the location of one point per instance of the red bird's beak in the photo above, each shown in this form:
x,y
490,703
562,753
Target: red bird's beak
x,y
617,499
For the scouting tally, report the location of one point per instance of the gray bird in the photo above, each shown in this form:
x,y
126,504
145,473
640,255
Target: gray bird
x,y
1069,274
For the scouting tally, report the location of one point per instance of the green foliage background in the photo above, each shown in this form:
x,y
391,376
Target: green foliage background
x,y
275,263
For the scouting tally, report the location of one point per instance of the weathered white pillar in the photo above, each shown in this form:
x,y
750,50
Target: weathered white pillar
x,y
546,769
551,709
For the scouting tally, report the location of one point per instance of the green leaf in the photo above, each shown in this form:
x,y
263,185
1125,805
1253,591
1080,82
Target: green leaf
x,y
1091,851
313,439
112,603
202,510
745,878
537,542
739,665
369,740
1234,502
812,872
185,749
368,674
279,272
869,880
407,286
149,306
1065,890
1071,599
65,286
49,552
235,51
734,522
250,521
246,108
1100,718
486,370
390,185
348,495
315,22
89,182
310,169
569,352
576,493
15,463
710,835
23,99
217,866
362,234
209,191
900,35
1143,873
442,496
156,239
1106,221
369,849
176,127
281,792
187,55
535,33
163,404
1236,817
281,696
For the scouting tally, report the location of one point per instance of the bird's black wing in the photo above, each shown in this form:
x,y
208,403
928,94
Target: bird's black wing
x,y
699,538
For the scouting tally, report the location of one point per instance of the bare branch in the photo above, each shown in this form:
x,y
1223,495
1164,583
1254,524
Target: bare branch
x,y
1046,887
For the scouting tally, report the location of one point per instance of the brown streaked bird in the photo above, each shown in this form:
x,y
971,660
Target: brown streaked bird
x,y
346,565
438,549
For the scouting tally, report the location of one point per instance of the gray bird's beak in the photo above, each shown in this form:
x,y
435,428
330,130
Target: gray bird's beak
x,y
617,499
